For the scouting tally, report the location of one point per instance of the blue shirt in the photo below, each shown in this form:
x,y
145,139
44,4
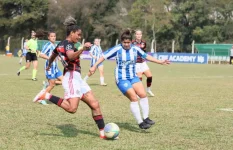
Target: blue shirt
x,y
97,52
125,60
48,50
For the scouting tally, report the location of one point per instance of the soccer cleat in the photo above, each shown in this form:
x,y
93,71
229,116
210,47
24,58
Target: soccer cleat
x,y
103,84
148,121
40,96
103,137
34,79
150,92
18,73
43,102
144,125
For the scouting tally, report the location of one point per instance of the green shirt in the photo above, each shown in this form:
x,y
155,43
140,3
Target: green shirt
x,y
32,44
77,45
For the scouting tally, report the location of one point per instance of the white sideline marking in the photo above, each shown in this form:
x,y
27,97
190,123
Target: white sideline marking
x,y
226,109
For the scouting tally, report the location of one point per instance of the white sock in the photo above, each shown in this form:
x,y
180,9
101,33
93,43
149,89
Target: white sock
x,y
85,78
102,132
148,89
136,111
101,80
145,107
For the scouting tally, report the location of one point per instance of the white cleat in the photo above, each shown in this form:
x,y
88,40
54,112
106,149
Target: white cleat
x,y
103,84
40,96
150,92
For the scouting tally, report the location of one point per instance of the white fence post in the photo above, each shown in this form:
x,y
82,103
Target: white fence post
x,y
155,47
152,46
193,46
22,43
173,46
117,42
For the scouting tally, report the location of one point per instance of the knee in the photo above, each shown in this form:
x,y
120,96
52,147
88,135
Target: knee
x,y
72,110
134,98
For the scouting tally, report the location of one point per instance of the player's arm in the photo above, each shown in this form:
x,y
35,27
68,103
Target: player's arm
x,y
45,51
91,51
28,45
106,55
44,56
150,58
73,55
51,59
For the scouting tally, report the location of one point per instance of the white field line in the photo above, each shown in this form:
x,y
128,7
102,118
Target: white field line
x,y
226,109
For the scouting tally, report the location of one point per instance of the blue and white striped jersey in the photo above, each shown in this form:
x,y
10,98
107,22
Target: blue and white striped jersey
x,y
97,52
48,50
125,60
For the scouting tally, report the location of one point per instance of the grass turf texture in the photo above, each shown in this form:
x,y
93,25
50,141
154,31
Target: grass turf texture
x,y
186,109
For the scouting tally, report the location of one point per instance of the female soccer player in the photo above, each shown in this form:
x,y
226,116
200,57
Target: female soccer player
x,y
75,88
141,65
54,75
31,56
126,79
96,53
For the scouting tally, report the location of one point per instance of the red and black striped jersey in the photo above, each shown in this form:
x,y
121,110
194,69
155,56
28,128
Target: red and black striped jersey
x,y
62,48
142,45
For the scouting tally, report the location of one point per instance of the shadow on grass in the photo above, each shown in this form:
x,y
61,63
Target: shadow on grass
x,y
93,84
70,130
132,128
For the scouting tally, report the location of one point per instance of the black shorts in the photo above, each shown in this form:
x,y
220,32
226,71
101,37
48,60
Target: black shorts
x,y
31,57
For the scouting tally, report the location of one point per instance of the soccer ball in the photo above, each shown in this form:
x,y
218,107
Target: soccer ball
x,y
111,130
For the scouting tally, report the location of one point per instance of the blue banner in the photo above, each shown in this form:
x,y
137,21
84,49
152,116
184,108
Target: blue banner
x,y
182,57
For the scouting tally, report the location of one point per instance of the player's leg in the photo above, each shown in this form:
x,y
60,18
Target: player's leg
x,y
59,77
93,103
140,91
35,64
71,85
138,70
34,71
148,75
126,88
28,63
101,71
21,59
89,74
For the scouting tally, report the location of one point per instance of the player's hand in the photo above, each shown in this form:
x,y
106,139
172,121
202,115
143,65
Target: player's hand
x,y
48,68
92,70
87,45
165,62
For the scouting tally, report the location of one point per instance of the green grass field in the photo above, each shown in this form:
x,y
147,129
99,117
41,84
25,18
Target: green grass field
x,y
187,109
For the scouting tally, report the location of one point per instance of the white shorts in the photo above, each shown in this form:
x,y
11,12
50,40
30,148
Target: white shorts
x,y
74,85
141,67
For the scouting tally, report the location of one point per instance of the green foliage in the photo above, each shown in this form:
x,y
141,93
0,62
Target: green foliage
x,y
19,16
163,20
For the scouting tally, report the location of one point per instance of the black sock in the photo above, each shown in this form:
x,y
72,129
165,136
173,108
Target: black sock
x,y
56,100
99,121
149,81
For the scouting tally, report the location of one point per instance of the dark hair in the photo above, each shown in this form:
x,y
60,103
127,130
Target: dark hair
x,y
126,35
49,32
70,24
